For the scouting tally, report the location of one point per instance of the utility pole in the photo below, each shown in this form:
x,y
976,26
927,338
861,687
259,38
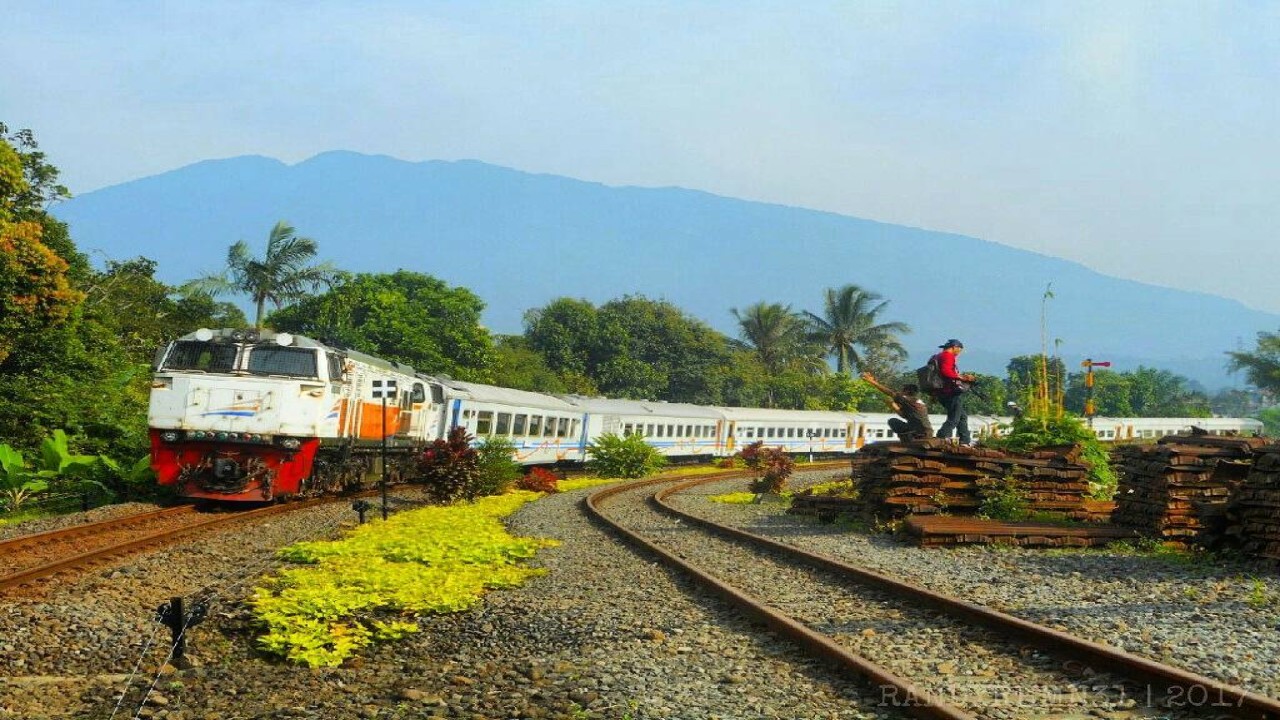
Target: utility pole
x,y
382,389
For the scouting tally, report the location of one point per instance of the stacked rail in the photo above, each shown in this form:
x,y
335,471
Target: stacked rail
x,y
931,476
1178,489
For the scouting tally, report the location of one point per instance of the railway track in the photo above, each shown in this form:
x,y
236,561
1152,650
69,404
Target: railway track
x,y
29,558
926,654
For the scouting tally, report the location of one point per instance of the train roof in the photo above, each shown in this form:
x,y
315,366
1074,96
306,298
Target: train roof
x,y
773,415
506,396
642,407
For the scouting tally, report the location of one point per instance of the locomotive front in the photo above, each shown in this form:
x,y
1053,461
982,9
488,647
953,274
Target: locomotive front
x,y
238,414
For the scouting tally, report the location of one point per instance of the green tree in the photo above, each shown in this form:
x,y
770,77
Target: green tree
x,y
282,275
516,365
1262,365
404,316
1024,376
565,333
632,347
849,329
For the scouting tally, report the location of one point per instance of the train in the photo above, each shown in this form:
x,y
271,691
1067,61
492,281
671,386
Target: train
x,y
256,415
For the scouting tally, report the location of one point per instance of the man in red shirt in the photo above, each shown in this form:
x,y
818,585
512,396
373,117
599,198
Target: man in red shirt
x,y
954,386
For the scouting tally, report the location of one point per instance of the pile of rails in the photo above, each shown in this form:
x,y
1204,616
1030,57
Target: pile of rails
x,y
1178,489
931,476
1254,511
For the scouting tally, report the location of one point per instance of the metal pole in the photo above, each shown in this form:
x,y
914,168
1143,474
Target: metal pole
x,y
384,455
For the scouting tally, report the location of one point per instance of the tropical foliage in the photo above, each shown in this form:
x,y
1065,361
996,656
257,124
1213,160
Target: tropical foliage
x,y
850,329
281,275
1033,432
614,456
450,468
498,470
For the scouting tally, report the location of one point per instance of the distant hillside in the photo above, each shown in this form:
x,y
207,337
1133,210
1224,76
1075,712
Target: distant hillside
x,y
519,240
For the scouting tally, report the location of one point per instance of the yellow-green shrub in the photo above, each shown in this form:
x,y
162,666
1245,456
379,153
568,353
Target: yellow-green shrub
x,y
350,591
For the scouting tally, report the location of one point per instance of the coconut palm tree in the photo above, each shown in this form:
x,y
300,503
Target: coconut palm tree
x,y
848,328
773,332
282,275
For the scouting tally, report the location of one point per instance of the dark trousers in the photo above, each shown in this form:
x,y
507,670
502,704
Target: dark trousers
x,y
904,430
957,419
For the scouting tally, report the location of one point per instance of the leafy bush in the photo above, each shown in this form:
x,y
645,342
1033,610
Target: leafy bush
x,y
450,468
539,480
1005,500
1031,432
623,457
371,585
750,455
727,463
775,466
498,469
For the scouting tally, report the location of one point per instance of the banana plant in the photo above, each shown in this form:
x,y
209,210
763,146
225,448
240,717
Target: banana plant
x,y
18,483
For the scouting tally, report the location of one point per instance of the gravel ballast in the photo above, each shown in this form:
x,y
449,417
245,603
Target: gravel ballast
x,y
605,634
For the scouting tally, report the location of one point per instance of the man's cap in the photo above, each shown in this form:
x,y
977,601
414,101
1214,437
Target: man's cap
x,y
951,343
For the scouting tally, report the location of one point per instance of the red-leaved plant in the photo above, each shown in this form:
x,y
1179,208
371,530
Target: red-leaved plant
x,y
449,468
539,480
775,466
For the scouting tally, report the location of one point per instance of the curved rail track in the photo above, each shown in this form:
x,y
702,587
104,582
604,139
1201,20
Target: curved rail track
x,y
1030,657
27,558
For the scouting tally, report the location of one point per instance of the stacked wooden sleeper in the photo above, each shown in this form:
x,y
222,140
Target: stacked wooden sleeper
x,y
932,476
1178,489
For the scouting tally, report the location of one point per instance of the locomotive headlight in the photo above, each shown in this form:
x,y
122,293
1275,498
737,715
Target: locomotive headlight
x,y
169,436
290,443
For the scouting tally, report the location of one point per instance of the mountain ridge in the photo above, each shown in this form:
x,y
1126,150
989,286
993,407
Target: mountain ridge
x,y
520,239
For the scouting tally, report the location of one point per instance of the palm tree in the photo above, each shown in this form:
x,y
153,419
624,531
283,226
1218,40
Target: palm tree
x,y
848,323
282,275
773,332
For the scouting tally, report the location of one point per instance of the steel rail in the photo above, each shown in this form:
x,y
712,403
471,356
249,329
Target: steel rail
x,y
75,531
1165,677
158,538
922,705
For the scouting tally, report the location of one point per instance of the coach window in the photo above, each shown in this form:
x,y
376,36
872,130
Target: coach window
x,y
661,431
576,423
791,432
504,424
648,430
562,429
518,427
535,425
484,422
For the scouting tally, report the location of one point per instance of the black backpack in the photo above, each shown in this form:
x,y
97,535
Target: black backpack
x,y
929,378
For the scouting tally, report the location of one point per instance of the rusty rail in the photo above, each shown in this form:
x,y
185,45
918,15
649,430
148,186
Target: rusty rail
x,y
1246,704
153,539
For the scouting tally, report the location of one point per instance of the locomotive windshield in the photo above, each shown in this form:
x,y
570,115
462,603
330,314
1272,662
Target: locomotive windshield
x,y
272,359
203,356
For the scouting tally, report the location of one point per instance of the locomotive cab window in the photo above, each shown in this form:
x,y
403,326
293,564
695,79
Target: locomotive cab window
x,y
419,393
202,356
276,360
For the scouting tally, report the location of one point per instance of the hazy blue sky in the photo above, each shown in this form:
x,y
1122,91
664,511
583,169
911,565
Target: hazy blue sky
x,y
1142,139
